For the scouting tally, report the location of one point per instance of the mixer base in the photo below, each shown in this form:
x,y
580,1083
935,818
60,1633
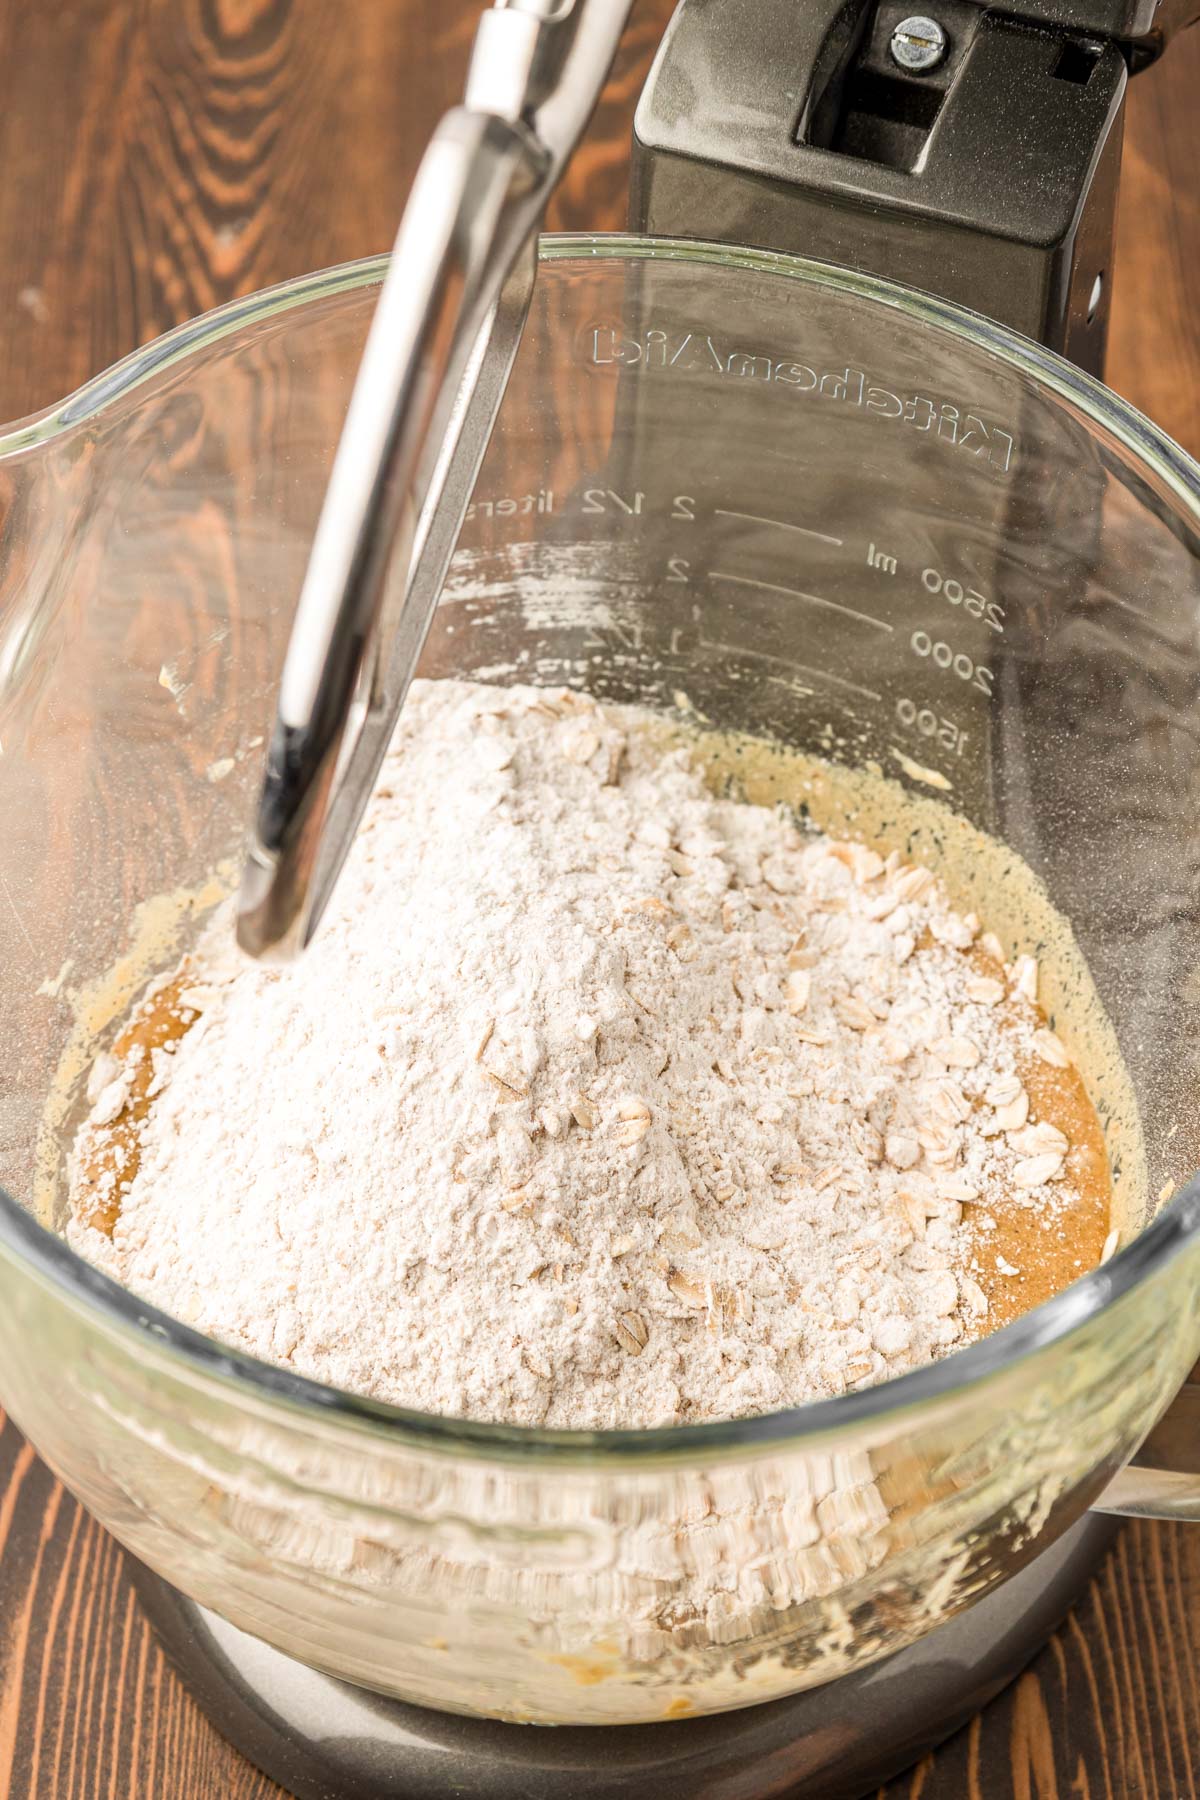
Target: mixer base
x,y
325,1740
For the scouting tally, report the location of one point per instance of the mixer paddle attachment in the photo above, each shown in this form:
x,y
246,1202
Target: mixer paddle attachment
x,y
435,366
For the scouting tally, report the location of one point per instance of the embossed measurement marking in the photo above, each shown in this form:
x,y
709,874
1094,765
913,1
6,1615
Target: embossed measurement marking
x,y
823,537
773,587
786,662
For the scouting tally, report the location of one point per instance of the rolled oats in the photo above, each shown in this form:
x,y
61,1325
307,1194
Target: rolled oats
x,y
732,1087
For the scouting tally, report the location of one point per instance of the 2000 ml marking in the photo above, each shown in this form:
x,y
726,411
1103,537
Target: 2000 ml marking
x,y
956,662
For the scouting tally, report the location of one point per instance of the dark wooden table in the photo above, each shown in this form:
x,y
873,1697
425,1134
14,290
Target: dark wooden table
x,y
161,156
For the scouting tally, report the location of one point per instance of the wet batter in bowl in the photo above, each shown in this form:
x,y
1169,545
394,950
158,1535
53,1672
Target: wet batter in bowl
x,y
601,1100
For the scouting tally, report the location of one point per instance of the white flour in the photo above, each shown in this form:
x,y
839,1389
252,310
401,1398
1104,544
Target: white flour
x,y
597,1102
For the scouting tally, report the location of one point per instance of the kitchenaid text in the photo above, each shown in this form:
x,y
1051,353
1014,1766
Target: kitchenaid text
x,y
692,353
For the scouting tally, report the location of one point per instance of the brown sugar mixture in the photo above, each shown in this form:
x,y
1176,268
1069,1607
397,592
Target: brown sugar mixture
x,y
600,1101
1022,1255
120,1089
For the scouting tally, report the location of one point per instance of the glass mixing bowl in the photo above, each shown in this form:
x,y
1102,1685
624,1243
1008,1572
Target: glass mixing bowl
x,y
745,490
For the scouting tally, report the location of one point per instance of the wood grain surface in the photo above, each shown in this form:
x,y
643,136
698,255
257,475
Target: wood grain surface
x,y
160,156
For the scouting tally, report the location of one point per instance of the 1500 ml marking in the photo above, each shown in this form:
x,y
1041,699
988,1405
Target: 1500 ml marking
x,y
929,724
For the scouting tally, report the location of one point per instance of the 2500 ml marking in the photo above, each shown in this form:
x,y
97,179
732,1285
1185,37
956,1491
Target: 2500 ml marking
x,y
953,661
977,605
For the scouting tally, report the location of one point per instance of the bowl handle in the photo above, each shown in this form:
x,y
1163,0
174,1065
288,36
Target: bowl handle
x,y
1163,1480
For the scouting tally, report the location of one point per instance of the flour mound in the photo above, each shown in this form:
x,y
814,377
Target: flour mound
x,y
598,1101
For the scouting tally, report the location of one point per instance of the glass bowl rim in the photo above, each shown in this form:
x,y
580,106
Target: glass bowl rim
x,y
51,1260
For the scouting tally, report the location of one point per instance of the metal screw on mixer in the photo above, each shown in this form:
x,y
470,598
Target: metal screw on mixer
x,y
918,44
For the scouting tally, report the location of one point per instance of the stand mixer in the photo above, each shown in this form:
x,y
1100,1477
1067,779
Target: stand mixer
x,y
792,498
